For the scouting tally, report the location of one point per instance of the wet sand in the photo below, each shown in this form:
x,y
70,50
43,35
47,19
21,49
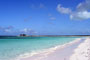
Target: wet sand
x,y
65,52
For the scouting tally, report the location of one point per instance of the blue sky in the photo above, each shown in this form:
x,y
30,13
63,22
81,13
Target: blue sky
x,y
45,17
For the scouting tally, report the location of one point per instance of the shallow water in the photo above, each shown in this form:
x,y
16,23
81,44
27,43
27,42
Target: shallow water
x,y
11,48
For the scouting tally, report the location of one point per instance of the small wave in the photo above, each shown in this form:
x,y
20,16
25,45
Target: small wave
x,y
37,55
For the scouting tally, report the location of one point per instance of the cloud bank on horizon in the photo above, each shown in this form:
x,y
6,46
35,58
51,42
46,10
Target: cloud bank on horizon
x,y
11,29
82,11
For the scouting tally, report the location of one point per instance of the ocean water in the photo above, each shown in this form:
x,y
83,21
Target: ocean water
x,y
13,47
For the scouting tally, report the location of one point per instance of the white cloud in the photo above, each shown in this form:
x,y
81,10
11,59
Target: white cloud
x,y
11,29
63,10
84,6
82,11
27,31
80,15
52,18
8,29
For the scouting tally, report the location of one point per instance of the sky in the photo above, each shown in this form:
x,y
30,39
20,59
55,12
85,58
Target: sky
x,y
45,17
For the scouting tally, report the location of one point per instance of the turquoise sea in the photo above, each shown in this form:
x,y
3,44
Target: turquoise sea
x,y
12,47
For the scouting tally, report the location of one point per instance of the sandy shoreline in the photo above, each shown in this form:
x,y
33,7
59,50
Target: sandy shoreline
x,y
82,52
65,52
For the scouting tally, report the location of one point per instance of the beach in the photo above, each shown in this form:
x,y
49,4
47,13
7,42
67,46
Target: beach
x,y
20,48
75,50
44,29
82,52
45,48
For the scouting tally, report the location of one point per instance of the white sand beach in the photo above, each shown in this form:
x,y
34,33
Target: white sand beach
x,y
76,50
82,52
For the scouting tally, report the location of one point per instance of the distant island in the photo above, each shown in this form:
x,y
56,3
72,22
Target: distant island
x,y
25,35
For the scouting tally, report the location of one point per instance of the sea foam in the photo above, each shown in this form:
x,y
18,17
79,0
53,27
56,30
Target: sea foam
x,y
38,55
